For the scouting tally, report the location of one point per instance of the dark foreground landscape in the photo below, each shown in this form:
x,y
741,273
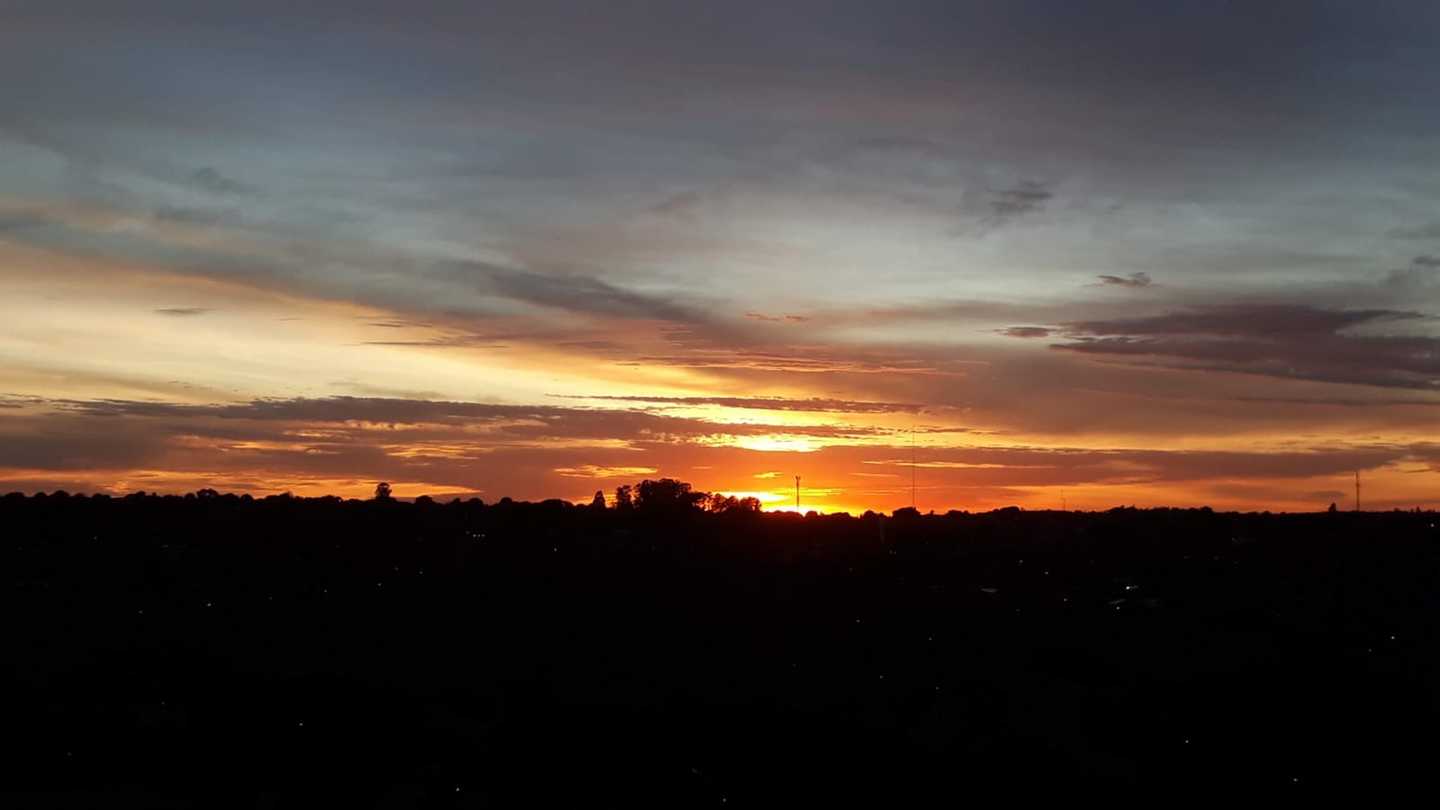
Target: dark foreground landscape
x,y
214,651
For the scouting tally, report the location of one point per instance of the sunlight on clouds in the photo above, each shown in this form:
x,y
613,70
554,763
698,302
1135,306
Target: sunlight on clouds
x,y
770,443
597,471
72,329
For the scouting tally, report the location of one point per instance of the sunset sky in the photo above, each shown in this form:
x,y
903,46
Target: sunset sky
x,y
1105,252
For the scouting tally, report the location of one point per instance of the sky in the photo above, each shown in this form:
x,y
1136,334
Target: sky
x,y
957,254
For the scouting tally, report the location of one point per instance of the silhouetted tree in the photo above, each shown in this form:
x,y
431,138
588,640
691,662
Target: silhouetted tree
x,y
718,503
624,501
667,495
598,502
382,491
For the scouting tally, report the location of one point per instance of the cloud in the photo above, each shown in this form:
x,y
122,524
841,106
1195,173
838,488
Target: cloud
x,y
183,312
598,471
1242,321
1296,342
208,179
1421,273
1132,280
807,360
195,216
1428,231
1027,331
683,206
788,181
1036,466
786,318
343,444
509,423
20,220
1337,402
995,208
813,404
1025,198
571,292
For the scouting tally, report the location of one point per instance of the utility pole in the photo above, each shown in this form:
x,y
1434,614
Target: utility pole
x,y
912,467
797,494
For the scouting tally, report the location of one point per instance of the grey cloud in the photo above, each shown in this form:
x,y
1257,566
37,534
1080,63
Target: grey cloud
x,y
1423,272
182,312
20,220
1027,331
1428,231
195,216
1337,402
901,143
786,318
1030,466
50,443
1244,320
397,283
572,292
209,179
1280,341
1010,204
1132,280
683,206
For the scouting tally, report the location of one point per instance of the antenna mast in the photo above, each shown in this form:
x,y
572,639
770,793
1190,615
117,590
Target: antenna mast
x,y
1357,490
797,494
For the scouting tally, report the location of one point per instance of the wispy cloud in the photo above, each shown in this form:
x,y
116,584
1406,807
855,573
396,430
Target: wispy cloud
x,y
183,312
813,404
1011,203
208,178
1272,340
599,471
1133,280
1027,331
1428,231
786,318
570,292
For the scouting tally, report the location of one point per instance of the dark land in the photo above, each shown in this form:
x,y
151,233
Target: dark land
x,y
215,651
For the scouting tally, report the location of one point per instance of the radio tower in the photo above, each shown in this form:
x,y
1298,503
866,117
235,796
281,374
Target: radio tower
x,y
1357,490
797,494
